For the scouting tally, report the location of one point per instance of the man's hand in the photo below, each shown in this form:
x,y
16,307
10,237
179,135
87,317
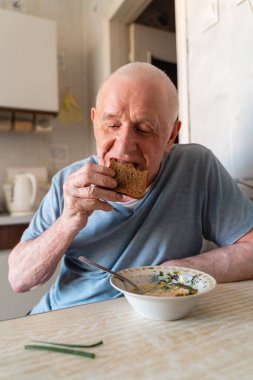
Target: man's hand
x,y
87,190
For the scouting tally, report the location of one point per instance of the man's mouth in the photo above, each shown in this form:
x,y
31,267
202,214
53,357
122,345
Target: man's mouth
x,y
135,164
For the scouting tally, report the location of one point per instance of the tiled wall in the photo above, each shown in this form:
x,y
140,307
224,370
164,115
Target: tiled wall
x,y
76,141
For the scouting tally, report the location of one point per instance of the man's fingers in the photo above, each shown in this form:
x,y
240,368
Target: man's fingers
x,y
92,192
93,174
88,189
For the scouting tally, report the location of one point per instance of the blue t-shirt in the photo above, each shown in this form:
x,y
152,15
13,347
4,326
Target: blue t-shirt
x,y
192,197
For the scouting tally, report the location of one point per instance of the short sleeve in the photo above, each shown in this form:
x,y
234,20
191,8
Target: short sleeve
x,y
227,212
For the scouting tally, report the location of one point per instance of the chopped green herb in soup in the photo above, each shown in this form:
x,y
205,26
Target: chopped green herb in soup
x,y
168,287
164,290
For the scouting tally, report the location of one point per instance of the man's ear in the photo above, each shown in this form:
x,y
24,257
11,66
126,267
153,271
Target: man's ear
x,y
92,114
173,135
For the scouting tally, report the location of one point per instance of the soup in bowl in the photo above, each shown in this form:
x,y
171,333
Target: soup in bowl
x,y
164,293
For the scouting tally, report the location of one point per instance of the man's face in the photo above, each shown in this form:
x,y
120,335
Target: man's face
x,y
132,123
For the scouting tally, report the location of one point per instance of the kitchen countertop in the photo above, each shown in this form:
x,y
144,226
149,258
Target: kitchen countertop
x,y
7,219
213,342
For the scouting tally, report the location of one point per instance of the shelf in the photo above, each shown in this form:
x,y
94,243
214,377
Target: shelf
x,y
7,219
15,120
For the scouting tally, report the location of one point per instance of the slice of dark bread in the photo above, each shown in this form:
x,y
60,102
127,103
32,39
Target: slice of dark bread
x,y
130,181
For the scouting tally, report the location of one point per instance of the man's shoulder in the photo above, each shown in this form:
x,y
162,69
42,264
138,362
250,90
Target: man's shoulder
x,y
191,148
187,153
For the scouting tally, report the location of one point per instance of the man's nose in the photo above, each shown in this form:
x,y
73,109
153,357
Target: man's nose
x,y
126,139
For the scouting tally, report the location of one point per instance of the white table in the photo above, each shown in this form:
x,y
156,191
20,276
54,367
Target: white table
x,y
214,342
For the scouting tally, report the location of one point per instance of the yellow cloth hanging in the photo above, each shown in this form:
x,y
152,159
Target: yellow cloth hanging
x,y
69,110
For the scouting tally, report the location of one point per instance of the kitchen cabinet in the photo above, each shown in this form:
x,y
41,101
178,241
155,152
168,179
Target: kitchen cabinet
x,y
28,67
11,229
14,305
10,235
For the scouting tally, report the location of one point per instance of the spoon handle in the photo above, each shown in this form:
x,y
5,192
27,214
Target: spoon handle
x,y
98,266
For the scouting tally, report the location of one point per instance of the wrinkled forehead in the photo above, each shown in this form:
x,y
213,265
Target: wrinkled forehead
x,y
139,93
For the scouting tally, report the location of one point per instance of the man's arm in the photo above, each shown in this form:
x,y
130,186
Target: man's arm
x,y
231,263
33,262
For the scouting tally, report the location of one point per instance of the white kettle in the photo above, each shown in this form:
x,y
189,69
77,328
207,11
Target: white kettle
x,y
20,194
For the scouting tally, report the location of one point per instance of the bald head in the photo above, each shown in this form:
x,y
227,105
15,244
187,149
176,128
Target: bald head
x,y
165,90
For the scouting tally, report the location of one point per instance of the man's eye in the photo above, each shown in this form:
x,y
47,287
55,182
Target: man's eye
x,y
143,131
112,126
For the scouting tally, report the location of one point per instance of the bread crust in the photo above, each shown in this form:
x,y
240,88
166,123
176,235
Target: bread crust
x,y
130,181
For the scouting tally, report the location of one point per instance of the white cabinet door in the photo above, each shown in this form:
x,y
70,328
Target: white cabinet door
x,y
28,64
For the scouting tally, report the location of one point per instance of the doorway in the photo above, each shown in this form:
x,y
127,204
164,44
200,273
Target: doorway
x,y
170,68
160,14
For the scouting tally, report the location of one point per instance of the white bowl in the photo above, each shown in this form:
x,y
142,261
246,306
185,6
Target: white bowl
x,y
163,308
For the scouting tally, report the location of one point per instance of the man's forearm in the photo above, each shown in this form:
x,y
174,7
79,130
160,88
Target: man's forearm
x,y
230,263
33,262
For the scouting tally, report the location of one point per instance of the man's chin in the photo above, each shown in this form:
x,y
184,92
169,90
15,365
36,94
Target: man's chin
x,y
126,198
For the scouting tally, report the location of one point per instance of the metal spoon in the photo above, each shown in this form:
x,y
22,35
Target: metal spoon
x,y
98,266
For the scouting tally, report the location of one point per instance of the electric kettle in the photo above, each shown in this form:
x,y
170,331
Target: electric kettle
x,y
20,194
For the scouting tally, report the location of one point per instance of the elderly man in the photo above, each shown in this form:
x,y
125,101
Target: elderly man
x,y
189,196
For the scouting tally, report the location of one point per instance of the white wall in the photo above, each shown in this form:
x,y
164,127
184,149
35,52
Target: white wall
x,y
98,51
220,70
